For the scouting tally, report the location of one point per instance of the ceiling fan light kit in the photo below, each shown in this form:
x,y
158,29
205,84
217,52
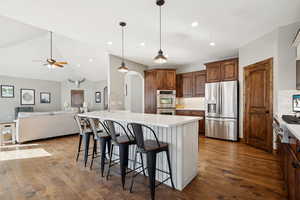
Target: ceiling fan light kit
x,y
160,58
123,68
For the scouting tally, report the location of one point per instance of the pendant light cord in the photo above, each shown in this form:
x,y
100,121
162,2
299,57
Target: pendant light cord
x,y
122,43
160,28
51,44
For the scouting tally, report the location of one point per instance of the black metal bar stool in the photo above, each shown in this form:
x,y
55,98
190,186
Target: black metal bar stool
x,y
123,141
84,133
151,148
104,140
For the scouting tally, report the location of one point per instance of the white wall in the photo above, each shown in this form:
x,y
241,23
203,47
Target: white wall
x,y
116,81
89,87
276,44
189,68
7,105
134,101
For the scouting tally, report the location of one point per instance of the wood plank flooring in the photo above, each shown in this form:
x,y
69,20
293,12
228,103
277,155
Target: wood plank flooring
x,y
227,170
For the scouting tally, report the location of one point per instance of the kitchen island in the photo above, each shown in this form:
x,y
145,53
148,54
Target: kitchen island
x,y
181,132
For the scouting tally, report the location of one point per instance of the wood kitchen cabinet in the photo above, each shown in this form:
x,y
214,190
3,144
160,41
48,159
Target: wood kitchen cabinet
x,y
187,85
179,85
157,79
198,113
225,70
191,84
289,161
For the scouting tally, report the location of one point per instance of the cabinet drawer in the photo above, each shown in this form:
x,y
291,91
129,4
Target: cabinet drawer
x,y
183,112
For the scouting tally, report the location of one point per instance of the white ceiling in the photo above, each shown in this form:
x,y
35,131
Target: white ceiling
x,y
230,24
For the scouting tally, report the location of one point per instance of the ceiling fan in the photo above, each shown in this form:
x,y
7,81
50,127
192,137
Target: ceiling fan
x,y
50,62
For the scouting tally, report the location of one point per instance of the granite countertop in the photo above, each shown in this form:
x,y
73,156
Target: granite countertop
x,y
293,128
148,119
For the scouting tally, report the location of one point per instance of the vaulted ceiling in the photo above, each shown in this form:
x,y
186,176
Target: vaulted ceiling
x,y
230,24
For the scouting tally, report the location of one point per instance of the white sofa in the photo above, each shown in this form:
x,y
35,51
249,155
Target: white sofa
x,y
40,125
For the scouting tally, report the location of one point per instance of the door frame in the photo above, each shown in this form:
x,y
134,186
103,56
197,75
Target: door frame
x,y
245,132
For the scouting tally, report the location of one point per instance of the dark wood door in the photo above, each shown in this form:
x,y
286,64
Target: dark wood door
x,y
229,70
179,85
213,71
258,107
150,92
187,85
199,83
77,98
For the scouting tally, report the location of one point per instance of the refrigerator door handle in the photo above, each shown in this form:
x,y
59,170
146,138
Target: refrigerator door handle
x,y
220,99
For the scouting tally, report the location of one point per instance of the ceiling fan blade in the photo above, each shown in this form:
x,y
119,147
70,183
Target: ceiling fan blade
x,y
61,63
58,65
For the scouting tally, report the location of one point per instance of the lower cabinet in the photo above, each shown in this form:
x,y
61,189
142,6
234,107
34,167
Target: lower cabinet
x,y
198,113
289,161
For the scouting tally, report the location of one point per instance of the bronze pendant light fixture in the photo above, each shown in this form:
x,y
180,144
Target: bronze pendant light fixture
x,y
123,68
160,58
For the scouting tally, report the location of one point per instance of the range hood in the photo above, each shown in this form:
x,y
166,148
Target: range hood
x,y
296,43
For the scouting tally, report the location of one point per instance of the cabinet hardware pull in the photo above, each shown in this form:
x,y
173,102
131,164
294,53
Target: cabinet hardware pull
x,y
296,165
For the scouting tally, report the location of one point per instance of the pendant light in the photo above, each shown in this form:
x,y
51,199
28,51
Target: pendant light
x,y
123,68
160,58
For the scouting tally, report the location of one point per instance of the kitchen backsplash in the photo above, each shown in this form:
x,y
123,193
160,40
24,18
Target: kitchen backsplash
x,y
195,102
284,100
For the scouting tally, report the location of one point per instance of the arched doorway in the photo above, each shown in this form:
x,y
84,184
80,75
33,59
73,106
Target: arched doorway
x,y
134,92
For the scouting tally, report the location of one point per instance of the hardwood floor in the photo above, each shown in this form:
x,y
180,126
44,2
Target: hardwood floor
x,y
226,171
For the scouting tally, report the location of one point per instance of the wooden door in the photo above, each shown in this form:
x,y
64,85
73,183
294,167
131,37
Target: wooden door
x,y
187,85
199,83
77,98
150,92
258,106
213,72
229,70
178,85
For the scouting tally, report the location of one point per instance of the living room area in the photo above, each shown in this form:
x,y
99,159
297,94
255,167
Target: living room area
x,y
37,96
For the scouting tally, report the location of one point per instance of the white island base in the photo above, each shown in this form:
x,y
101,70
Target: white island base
x,y
180,132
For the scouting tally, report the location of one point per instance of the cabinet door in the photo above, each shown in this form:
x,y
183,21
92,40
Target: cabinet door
x,y
150,92
213,72
291,172
178,85
229,70
166,79
199,84
187,85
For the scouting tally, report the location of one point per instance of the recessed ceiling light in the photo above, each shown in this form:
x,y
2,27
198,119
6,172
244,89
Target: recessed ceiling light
x,y
195,24
212,44
91,60
142,43
109,43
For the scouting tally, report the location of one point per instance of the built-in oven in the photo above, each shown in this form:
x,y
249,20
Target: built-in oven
x,y
166,111
166,98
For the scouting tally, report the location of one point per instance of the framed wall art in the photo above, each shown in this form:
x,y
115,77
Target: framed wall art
x,y
27,96
7,91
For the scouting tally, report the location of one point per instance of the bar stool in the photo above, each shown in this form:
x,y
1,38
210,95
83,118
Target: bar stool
x,y
151,148
84,132
123,141
104,140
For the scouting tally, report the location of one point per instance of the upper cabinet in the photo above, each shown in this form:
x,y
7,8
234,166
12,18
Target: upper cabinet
x,y
191,84
187,85
225,70
199,83
157,79
166,79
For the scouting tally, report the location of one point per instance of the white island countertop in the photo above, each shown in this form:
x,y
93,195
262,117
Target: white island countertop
x,y
142,118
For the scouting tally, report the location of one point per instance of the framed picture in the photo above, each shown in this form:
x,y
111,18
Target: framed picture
x,y
7,91
27,96
45,97
98,97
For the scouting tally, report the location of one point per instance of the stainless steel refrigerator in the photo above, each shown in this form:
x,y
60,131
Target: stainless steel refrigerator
x,y
221,110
